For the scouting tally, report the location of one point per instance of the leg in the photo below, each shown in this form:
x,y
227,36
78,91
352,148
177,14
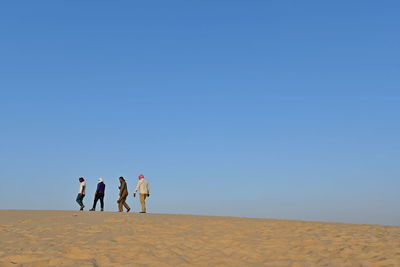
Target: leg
x,y
96,198
120,202
102,201
83,196
143,202
79,200
126,205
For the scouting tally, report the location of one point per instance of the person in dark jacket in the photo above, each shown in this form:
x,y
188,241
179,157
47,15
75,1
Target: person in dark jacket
x,y
101,187
123,194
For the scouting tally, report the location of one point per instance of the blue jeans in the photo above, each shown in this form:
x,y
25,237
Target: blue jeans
x,y
79,199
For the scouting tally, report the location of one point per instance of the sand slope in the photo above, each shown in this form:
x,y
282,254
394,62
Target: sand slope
x,y
68,238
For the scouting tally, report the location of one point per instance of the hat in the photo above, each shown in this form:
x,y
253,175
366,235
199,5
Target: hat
x,y
141,176
101,180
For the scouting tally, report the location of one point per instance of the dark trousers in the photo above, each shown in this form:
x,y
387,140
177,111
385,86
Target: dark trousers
x,y
79,199
96,198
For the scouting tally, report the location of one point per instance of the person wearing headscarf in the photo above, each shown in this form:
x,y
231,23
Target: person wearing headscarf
x,y
143,187
123,194
99,195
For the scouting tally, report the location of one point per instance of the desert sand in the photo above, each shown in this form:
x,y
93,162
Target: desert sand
x,y
72,238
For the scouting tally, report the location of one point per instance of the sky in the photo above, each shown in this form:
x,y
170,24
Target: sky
x,y
270,109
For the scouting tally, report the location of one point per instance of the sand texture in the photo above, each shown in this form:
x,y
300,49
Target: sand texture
x,y
69,238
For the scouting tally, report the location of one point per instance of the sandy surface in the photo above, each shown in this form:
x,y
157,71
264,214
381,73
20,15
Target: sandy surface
x,y
69,238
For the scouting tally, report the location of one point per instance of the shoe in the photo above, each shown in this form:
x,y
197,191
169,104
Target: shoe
x,y
128,210
102,209
82,208
92,210
142,212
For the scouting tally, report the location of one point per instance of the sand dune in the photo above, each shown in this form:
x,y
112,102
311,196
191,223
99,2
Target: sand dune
x,y
68,238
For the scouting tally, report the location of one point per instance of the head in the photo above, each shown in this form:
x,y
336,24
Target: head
x,y
141,176
101,180
81,179
121,179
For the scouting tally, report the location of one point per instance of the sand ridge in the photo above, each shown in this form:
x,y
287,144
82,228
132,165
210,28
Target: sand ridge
x,y
70,238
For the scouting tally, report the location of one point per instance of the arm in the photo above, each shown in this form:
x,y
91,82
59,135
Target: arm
x,y
98,189
138,185
82,189
122,188
137,188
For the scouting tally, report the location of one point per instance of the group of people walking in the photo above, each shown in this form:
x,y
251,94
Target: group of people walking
x,y
142,186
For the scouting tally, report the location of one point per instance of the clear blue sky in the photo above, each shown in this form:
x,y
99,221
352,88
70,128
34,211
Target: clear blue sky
x,y
277,109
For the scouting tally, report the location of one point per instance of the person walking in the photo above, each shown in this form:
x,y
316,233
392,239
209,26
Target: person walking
x,y
99,195
143,187
81,194
123,194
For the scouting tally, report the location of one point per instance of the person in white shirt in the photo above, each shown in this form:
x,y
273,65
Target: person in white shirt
x,y
144,189
81,194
